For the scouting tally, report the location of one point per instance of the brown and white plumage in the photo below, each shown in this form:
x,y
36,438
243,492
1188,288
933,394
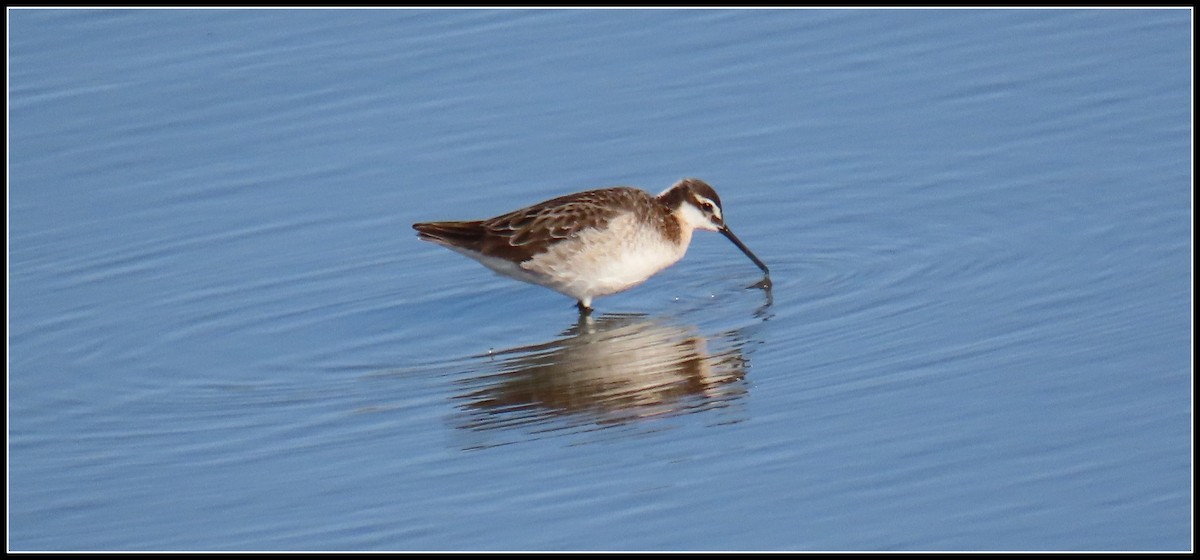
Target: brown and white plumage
x,y
592,243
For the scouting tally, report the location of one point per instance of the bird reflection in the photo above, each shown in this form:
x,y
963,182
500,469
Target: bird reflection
x,y
763,312
610,370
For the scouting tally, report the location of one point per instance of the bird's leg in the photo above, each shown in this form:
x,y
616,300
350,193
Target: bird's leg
x,y
584,310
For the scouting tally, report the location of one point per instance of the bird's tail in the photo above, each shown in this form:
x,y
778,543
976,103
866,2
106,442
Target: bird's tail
x,y
457,234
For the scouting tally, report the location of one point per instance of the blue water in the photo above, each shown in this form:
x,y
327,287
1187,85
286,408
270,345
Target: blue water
x,y
224,335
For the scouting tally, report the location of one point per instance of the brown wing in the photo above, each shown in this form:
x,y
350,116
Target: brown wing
x,y
524,233
521,234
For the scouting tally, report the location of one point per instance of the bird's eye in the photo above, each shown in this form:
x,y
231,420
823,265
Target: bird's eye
x,y
706,206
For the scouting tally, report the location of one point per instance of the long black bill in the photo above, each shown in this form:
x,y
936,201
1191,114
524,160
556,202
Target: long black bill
x,y
729,233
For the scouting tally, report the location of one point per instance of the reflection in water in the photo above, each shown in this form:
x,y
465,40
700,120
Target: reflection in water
x,y
763,312
610,370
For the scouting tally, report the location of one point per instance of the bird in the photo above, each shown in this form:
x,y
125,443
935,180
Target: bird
x,y
592,243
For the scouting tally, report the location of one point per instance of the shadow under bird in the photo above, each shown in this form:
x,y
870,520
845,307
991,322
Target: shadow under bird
x,y
592,243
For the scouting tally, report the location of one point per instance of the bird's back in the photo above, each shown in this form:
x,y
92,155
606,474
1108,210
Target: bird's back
x,y
522,234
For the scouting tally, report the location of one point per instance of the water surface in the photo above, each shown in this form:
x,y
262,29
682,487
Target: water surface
x,y
224,335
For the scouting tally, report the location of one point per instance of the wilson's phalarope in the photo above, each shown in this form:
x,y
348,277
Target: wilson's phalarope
x,y
592,243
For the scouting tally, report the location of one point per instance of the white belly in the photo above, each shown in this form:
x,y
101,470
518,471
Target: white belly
x,y
602,262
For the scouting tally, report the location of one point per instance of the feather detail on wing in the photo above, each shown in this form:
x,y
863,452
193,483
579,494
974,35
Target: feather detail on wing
x,y
521,234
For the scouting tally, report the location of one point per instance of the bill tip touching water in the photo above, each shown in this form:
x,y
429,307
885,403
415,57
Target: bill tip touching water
x,y
592,243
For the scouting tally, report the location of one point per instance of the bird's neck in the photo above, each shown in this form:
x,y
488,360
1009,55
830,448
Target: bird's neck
x,y
673,198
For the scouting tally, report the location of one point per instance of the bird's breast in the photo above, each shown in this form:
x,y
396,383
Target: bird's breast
x,y
604,261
